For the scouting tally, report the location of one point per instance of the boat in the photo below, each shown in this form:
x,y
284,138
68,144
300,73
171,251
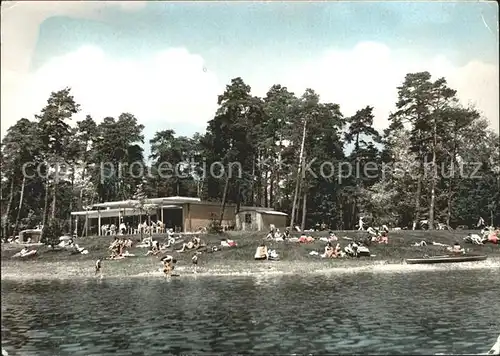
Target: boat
x,y
446,259
495,349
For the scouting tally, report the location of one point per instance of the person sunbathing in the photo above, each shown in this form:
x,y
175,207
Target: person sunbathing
x,y
154,249
128,243
332,236
456,248
493,237
338,251
193,244
384,239
261,252
329,251
270,235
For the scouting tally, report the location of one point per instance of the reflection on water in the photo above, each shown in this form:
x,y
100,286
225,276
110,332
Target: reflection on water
x,y
415,313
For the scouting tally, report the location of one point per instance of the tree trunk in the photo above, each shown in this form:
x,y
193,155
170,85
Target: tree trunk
x,y
21,198
71,203
304,210
54,200
354,215
6,226
253,182
224,196
418,193
265,190
238,196
140,223
452,176
434,177
80,199
294,204
417,203
46,203
277,168
271,191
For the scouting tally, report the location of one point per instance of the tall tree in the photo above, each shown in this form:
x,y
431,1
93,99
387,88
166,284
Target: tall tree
x,y
363,136
55,132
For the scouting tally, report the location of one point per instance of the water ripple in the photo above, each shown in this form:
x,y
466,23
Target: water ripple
x,y
449,311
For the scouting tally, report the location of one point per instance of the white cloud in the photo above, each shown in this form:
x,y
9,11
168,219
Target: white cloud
x,y
370,73
171,86
21,21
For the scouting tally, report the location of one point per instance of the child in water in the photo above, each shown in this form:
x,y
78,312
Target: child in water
x,y
168,265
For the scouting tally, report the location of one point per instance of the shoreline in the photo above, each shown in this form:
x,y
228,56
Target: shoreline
x,y
75,270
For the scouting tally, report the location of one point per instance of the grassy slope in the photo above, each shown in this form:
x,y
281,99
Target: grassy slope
x,y
399,248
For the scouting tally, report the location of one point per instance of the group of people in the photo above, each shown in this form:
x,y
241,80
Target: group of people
x,y
275,234
125,228
264,253
488,235
380,236
118,246
332,252
193,244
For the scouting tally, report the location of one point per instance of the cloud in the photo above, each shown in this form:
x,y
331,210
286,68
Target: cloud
x,y
370,73
171,86
21,21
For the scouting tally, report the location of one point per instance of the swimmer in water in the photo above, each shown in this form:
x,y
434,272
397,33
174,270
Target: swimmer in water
x,y
168,265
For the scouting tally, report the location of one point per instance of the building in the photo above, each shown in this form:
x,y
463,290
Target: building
x,y
258,219
183,214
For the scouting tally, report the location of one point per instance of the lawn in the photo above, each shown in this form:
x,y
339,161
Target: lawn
x,y
399,247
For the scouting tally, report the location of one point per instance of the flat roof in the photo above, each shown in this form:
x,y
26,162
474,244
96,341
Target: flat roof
x,y
110,213
265,211
132,203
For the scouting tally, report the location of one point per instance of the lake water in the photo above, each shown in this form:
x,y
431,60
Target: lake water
x,y
377,313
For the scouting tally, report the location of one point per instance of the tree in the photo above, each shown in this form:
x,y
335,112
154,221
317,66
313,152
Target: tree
x,y
141,203
230,140
363,136
422,104
20,153
55,133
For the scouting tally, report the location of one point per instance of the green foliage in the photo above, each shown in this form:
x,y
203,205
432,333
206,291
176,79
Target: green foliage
x,y
214,227
52,232
429,128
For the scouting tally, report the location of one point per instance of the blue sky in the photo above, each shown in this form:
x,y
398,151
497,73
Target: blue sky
x,y
220,29
298,44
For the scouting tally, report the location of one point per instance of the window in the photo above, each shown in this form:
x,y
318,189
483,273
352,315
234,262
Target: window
x,y
248,218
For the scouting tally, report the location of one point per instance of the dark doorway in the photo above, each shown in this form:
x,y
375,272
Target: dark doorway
x,y
172,218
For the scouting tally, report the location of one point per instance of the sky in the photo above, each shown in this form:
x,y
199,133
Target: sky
x,y
166,62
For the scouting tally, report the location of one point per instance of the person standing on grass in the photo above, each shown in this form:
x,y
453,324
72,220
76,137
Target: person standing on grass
x,y
360,223
98,267
194,261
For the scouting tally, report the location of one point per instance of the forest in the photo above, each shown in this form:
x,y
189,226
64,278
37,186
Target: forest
x,y
437,160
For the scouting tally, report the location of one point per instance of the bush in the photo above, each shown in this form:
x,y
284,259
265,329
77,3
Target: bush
x,y
215,227
52,232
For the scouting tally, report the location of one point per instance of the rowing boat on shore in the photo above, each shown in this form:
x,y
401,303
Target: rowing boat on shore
x,y
446,259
